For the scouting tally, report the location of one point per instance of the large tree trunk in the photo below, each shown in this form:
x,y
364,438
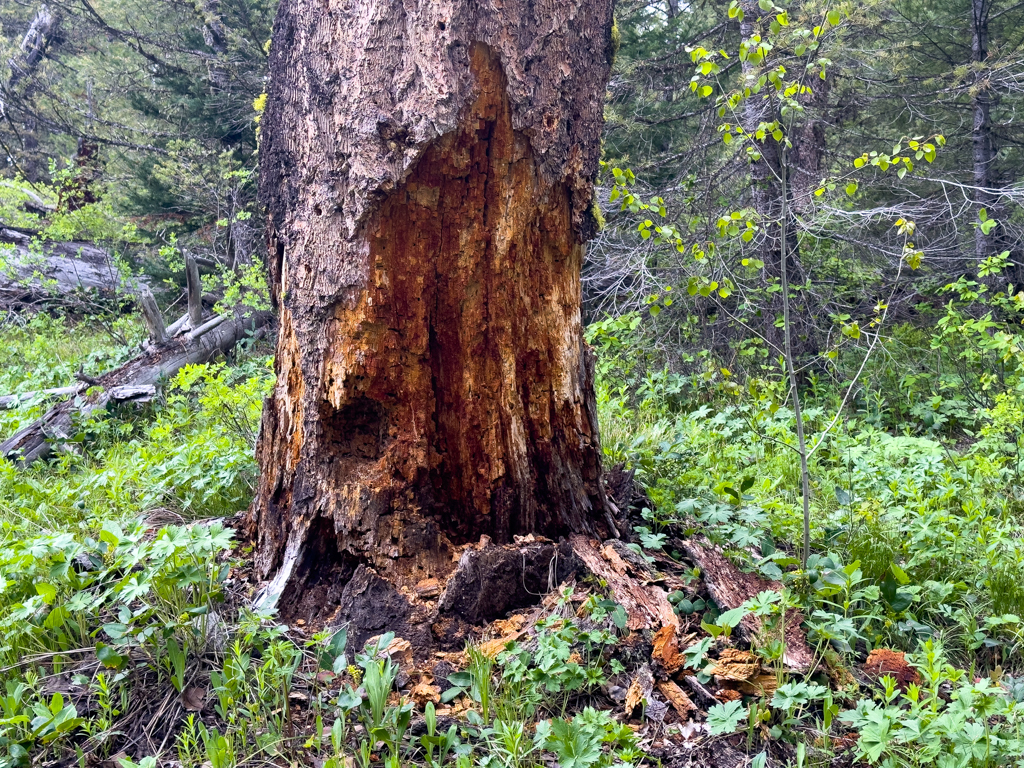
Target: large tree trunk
x,y
428,172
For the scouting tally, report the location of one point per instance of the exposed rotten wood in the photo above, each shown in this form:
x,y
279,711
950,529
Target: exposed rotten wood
x,y
675,696
730,587
646,605
151,315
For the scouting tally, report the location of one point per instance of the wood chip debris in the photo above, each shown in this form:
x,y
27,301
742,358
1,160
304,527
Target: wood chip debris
x,y
638,695
675,696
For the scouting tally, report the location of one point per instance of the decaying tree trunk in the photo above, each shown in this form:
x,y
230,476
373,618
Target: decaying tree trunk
x,y
428,171
42,33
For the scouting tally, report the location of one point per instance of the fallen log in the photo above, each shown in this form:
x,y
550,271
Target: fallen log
x,y
32,272
730,587
136,380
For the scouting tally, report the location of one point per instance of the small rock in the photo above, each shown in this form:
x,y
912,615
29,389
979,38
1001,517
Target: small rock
x,y
615,692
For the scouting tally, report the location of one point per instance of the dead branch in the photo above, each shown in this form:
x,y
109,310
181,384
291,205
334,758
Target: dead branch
x,y
151,315
16,400
194,287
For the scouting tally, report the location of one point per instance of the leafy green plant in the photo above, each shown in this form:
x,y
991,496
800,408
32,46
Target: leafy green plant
x,y
546,677
726,718
579,742
433,741
974,726
220,748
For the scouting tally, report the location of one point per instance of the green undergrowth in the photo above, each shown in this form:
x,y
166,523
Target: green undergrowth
x,y
101,630
915,531
121,594
44,351
190,453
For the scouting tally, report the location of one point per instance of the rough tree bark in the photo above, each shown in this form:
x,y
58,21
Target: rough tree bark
x,y
32,50
428,172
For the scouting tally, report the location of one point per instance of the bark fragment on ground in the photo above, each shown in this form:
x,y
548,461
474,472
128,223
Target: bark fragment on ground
x,y
646,605
730,587
677,698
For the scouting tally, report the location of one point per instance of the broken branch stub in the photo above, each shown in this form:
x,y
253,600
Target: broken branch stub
x,y
151,315
194,289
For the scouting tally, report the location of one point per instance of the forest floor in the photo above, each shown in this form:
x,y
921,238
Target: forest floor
x,y
128,637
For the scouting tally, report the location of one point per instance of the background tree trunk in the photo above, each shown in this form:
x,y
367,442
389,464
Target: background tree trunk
x,y
428,172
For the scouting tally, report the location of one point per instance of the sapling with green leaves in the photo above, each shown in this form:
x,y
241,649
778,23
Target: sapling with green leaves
x,y
762,110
